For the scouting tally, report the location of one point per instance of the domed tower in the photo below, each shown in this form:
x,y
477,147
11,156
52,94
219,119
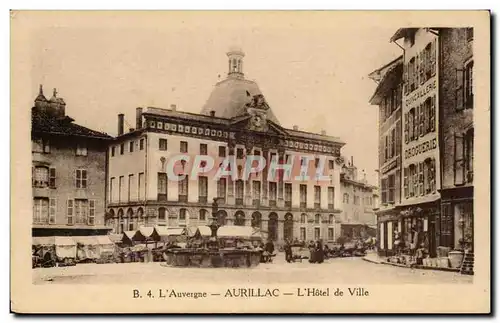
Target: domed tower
x,y
57,106
235,59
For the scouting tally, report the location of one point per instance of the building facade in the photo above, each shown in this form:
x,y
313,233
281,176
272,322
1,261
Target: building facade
x,y
457,137
236,122
388,97
358,203
435,209
69,172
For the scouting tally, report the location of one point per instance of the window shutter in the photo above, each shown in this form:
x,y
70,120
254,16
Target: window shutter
x,y
416,123
459,89
406,128
52,177
33,176
433,58
422,67
421,178
84,178
91,216
405,79
52,211
459,160
69,207
432,175
78,178
432,113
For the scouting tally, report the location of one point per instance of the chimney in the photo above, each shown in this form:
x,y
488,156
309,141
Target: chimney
x,y
295,127
323,132
212,113
138,118
120,124
173,107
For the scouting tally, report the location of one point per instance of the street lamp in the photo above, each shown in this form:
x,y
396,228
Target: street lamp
x,y
215,223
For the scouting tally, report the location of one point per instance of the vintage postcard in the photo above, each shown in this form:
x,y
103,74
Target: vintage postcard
x,y
250,162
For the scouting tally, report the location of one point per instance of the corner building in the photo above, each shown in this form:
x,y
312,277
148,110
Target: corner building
x,y
236,121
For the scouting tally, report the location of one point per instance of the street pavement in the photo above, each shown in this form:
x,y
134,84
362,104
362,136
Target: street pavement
x,y
337,270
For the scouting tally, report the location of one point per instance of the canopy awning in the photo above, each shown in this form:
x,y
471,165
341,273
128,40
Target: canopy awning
x,y
103,240
205,231
64,241
43,241
86,240
115,237
169,231
235,231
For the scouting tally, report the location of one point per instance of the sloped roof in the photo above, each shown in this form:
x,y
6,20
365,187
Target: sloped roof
x,y
169,231
229,97
44,123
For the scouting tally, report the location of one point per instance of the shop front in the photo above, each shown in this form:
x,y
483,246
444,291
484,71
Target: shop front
x,y
387,222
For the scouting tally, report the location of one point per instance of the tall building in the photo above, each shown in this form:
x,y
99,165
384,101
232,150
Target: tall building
x,y
358,203
388,97
235,122
436,205
69,172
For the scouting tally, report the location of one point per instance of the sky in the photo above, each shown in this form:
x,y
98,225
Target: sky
x,y
312,69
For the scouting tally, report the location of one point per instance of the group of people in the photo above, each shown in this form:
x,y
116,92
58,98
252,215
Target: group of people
x,y
316,252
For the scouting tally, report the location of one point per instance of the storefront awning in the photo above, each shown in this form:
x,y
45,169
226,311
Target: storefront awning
x,y
420,200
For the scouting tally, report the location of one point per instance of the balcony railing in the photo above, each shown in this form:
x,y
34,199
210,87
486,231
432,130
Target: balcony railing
x,y
183,198
162,197
272,203
238,201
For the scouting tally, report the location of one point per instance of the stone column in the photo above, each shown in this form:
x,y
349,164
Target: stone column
x,y
230,179
248,186
265,155
281,160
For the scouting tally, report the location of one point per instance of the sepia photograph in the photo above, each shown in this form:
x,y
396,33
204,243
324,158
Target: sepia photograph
x,y
263,157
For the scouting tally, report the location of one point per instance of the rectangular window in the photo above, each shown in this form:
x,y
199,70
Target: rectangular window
x,y
331,164
384,190
40,146
407,137
52,177
469,156
183,189
40,210
120,189
405,181
162,144
221,188
81,178
130,186
140,186
81,207
317,196
113,151
303,195
122,148
421,178
239,189
162,186
393,142
81,149
459,160
303,236
239,153
316,162
91,219
331,196
141,144
131,146
288,194
69,213
203,149
446,225
256,190
52,210
421,110
317,233
416,123
182,214
202,189
273,191
468,86
391,188
184,147
330,234
222,151
386,148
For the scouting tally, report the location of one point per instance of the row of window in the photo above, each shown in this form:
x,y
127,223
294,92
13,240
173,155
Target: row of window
x,y
317,234
420,179
390,103
388,186
420,120
367,200
391,143
43,176
420,68
41,145
136,188
131,147
79,211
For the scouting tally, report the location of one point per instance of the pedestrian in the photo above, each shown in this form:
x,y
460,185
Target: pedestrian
x,y
312,252
288,252
320,256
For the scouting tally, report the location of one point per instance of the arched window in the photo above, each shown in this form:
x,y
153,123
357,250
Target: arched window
x,y
130,222
288,227
331,219
256,220
140,217
317,219
120,221
303,218
239,218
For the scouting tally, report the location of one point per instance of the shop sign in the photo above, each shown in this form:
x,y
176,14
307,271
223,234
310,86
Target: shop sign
x,y
423,91
421,148
390,166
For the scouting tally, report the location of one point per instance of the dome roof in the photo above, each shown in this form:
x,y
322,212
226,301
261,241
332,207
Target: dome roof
x,y
229,97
